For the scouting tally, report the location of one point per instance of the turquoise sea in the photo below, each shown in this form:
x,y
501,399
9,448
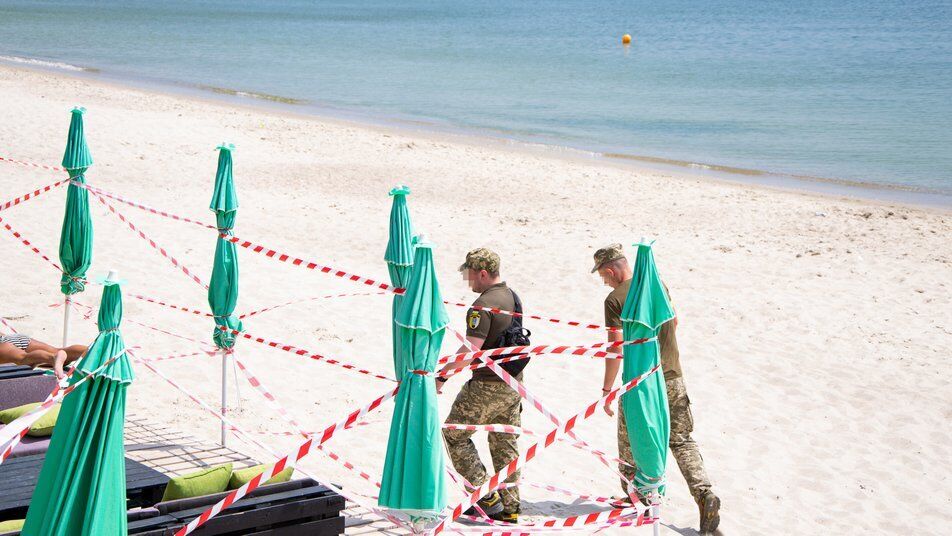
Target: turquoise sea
x,y
836,89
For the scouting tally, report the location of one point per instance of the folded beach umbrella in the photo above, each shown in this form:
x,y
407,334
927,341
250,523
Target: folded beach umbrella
x,y
646,407
399,257
223,287
414,469
76,237
82,486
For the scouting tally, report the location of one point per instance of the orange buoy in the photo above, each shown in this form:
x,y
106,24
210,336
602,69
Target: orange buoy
x,y
626,39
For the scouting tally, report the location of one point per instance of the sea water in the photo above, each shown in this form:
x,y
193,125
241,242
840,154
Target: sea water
x,y
837,89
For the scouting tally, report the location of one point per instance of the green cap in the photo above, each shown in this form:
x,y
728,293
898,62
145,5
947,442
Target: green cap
x,y
607,254
481,259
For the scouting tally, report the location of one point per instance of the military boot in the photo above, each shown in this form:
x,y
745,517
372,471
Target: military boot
x,y
710,509
491,505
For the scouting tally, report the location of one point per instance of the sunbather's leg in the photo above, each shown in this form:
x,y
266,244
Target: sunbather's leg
x,y
13,355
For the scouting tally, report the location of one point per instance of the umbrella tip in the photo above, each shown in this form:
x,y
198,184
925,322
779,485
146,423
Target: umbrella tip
x,y
113,276
421,240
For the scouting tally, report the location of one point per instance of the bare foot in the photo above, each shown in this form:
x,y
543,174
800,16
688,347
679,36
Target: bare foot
x,y
58,364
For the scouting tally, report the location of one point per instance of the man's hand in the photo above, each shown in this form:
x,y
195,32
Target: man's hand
x,y
608,406
440,381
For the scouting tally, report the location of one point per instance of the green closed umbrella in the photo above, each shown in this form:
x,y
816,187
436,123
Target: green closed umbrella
x,y
82,486
223,287
646,407
76,237
414,469
399,257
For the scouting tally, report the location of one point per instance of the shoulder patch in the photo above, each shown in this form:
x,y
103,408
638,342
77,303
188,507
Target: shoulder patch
x,y
472,319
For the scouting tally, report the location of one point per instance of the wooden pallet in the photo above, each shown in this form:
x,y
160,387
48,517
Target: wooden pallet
x,y
174,453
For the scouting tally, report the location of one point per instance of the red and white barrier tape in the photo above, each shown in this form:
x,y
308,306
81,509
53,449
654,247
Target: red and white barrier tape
x,y
29,195
304,353
533,450
30,164
517,430
275,405
547,319
8,325
313,298
267,252
244,435
88,311
30,245
99,191
287,461
593,350
170,305
18,428
152,243
165,358
529,397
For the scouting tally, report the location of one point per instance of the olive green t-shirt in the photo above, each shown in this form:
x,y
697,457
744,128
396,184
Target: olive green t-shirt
x,y
488,325
670,358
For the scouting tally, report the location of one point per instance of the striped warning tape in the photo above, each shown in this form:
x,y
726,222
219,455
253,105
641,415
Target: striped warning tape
x,y
30,195
517,430
549,319
116,197
30,245
305,353
8,325
535,402
30,164
275,405
296,261
593,350
533,450
18,428
170,305
87,312
166,358
288,460
151,242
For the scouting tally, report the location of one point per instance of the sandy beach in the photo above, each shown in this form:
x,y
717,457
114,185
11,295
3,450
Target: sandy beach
x,y
814,331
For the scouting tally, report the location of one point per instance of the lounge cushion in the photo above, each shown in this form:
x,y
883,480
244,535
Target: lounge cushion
x,y
11,526
242,476
199,483
43,427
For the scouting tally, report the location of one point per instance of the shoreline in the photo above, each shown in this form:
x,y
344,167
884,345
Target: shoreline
x,y
795,309
433,130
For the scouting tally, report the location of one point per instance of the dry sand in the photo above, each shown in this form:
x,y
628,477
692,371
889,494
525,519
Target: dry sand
x,y
815,331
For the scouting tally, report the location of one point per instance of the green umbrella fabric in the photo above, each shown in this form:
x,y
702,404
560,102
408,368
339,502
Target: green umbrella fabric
x,y
399,257
414,470
82,486
223,287
646,407
76,237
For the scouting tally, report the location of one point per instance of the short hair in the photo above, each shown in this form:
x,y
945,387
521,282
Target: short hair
x,y
615,265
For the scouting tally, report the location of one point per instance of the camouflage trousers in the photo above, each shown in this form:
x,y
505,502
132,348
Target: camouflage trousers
x,y
682,445
485,402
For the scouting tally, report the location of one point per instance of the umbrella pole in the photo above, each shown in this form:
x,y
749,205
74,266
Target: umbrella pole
x,y
224,392
656,514
66,308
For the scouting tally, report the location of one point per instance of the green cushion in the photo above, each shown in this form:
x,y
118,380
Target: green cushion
x,y
242,476
42,427
198,484
11,526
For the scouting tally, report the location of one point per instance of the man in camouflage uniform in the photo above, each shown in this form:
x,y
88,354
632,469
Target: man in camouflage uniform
x,y
612,265
485,399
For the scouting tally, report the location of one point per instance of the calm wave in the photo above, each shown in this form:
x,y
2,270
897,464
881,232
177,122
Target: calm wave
x,y
841,89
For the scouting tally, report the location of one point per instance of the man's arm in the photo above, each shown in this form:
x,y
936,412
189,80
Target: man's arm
x,y
441,378
611,367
